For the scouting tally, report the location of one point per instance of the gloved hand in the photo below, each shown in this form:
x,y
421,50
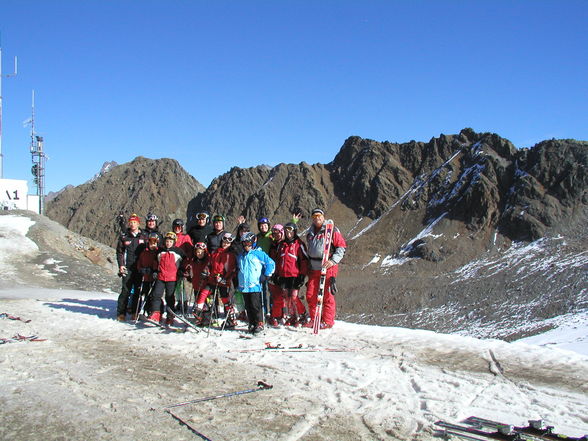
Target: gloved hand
x,y
299,281
333,285
204,274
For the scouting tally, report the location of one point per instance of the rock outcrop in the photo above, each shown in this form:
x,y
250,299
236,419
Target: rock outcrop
x,y
143,185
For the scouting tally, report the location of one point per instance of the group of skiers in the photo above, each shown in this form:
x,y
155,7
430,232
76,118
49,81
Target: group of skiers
x,y
267,269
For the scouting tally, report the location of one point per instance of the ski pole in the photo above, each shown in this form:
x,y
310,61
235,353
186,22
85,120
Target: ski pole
x,y
261,385
184,423
214,298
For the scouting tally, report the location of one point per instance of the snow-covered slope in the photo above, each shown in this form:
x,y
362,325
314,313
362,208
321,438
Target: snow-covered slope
x,y
94,378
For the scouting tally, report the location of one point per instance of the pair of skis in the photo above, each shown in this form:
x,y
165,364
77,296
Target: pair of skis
x,y
329,229
298,348
20,338
474,430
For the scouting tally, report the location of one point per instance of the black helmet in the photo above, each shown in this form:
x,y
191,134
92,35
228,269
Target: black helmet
x,y
291,225
150,217
177,223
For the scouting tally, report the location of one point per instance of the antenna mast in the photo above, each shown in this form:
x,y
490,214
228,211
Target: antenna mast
x,y
38,158
1,76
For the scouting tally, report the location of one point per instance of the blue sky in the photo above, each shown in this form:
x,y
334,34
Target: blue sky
x,y
217,84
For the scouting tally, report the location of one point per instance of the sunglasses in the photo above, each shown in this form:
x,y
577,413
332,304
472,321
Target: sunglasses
x,y
314,216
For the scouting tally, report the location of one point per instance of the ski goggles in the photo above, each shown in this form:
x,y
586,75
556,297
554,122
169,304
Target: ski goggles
x,y
200,246
289,228
247,243
228,238
201,216
218,218
151,218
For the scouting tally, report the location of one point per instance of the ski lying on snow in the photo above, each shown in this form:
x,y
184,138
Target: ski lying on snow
x,y
5,315
535,428
299,348
261,385
183,320
468,432
153,322
20,338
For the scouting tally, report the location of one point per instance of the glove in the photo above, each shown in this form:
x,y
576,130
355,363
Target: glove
x,y
299,281
333,285
155,275
188,278
204,274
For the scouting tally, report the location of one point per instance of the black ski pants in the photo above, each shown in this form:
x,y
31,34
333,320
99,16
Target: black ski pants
x,y
131,283
157,294
253,307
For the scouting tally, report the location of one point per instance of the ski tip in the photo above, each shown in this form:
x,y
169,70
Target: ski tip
x,y
263,385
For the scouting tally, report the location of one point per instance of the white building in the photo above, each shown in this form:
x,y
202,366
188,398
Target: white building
x,y
14,196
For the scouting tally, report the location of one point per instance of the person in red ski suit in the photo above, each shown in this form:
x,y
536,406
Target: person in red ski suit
x,y
222,268
184,242
199,267
169,263
315,240
291,268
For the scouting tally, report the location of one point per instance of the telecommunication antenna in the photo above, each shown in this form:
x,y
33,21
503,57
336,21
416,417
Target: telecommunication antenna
x,y
38,158
2,76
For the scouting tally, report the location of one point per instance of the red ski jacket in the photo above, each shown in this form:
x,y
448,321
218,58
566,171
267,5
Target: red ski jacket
x,y
169,263
197,267
292,259
184,242
223,264
147,264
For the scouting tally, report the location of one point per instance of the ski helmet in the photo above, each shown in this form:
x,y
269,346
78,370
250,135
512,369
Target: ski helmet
x,y
291,226
171,235
278,228
200,246
248,237
218,218
134,217
153,237
177,223
150,217
263,220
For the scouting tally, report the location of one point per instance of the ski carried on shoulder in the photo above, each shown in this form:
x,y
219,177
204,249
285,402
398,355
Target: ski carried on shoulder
x,y
183,320
536,428
329,229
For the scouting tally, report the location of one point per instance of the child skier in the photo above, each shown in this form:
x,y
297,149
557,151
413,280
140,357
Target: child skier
x,y
254,266
169,262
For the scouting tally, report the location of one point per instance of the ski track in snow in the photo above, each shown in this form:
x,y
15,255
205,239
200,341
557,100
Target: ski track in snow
x,y
392,383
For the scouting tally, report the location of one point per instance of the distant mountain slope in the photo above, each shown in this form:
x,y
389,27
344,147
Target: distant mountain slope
x,y
143,185
416,216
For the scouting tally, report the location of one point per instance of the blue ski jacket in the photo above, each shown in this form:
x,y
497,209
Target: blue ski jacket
x,y
252,266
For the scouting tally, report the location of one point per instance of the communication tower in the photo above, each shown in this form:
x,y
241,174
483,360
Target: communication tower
x,y
39,158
